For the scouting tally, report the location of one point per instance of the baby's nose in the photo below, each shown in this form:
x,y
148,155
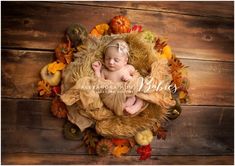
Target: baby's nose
x,y
111,61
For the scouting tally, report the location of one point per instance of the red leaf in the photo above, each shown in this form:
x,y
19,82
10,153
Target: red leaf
x,y
56,89
144,151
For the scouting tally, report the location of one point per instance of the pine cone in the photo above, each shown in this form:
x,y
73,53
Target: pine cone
x,y
104,147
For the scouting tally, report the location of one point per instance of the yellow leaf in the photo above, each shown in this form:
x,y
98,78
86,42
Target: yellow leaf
x,y
55,66
119,150
102,28
166,52
182,95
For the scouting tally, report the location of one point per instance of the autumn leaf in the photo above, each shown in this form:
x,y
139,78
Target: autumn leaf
x,y
161,133
55,66
144,152
159,45
102,28
182,95
176,69
132,142
56,90
95,33
90,139
58,108
99,30
166,52
64,52
175,64
137,28
119,150
44,88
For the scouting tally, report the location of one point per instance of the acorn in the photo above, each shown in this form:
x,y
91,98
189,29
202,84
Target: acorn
x,y
104,147
72,132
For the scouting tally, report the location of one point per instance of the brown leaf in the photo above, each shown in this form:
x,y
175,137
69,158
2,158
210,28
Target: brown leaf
x,y
64,52
175,68
159,45
58,108
161,133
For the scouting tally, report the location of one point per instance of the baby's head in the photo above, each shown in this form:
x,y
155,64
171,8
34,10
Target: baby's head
x,y
116,54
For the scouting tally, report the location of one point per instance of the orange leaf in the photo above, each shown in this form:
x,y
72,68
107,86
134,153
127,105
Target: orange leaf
x,y
55,66
95,33
119,150
99,30
44,88
102,28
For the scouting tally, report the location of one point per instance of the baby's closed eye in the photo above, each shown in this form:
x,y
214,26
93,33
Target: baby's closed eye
x,y
116,60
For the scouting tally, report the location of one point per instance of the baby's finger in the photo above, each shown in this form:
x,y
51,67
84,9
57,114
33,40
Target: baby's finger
x,y
98,63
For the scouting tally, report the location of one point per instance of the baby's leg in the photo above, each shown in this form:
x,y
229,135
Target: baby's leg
x,y
135,107
129,101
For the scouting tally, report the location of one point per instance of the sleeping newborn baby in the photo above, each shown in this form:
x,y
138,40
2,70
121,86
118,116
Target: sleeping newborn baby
x,y
116,69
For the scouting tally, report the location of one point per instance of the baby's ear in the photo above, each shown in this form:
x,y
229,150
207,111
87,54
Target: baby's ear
x,y
126,59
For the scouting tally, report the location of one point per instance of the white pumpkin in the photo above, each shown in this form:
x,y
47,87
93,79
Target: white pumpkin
x,y
52,79
144,137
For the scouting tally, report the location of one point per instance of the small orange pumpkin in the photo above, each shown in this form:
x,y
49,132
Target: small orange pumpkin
x,y
120,24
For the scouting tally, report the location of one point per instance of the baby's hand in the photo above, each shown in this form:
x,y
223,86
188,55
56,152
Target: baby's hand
x,y
126,78
96,66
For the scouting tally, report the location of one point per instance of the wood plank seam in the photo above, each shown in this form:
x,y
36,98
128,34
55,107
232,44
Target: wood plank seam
x,y
50,99
6,48
150,10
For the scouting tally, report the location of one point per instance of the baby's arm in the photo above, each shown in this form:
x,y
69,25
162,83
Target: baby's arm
x,y
130,70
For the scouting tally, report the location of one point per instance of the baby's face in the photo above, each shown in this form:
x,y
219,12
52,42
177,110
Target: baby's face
x,y
114,60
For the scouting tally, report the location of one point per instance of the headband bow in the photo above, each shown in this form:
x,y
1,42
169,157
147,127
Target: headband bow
x,y
122,47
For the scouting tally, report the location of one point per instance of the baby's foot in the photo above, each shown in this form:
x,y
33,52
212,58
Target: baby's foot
x,y
130,101
135,108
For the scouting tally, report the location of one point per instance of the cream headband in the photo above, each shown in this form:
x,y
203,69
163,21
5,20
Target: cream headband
x,y
122,47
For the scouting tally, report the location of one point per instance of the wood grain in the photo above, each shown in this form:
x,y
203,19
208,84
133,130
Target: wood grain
x,y
198,131
200,33
206,9
21,72
51,159
41,25
208,79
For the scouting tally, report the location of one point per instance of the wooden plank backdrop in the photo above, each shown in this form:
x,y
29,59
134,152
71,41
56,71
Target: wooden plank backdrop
x,y
200,33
